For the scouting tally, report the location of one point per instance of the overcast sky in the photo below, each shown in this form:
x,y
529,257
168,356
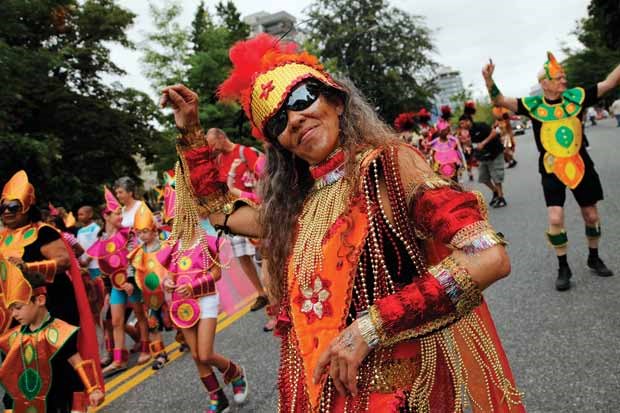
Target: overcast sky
x,y
466,34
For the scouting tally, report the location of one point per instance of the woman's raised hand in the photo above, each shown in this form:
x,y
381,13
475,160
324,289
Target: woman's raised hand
x,y
184,103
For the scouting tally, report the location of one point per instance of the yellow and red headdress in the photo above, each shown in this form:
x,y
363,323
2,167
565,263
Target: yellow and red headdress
x,y
111,203
18,187
144,219
15,286
552,67
265,70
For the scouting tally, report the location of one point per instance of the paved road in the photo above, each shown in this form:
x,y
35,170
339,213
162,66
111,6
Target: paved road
x,y
564,347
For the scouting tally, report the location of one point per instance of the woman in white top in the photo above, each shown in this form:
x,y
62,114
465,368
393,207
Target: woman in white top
x,y
125,191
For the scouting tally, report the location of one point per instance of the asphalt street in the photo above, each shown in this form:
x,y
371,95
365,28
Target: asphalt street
x,y
564,348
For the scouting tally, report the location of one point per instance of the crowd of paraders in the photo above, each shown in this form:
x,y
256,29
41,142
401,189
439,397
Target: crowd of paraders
x,y
368,255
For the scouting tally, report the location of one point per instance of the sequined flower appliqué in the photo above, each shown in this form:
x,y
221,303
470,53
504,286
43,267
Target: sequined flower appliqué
x,y
314,300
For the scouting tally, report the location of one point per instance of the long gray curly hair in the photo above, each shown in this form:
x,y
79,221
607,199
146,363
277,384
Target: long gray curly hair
x,y
287,182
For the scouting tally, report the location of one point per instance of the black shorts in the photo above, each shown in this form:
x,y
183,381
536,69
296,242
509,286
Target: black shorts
x,y
587,193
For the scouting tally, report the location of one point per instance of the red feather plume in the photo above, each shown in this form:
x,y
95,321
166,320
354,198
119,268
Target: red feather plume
x,y
254,56
470,107
424,115
446,112
404,121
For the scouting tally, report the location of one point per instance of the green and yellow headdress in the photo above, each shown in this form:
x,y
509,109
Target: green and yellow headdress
x,y
552,68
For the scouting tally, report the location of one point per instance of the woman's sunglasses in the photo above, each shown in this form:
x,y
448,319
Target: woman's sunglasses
x,y
11,207
300,98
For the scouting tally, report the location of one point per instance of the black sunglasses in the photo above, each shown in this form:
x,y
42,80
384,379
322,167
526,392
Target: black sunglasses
x,y
300,98
11,208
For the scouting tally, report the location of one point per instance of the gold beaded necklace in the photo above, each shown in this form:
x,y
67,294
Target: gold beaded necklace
x,y
325,203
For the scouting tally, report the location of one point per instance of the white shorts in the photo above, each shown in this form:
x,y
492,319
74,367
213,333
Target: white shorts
x,y
241,246
209,306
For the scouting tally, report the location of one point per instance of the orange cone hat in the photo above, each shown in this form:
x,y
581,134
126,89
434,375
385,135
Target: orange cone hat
x,y
144,219
19,188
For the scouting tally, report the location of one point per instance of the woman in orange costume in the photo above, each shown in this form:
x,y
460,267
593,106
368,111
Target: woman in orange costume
x,y
378,264
37,247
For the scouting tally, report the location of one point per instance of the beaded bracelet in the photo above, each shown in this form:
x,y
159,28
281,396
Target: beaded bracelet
x,y
368,330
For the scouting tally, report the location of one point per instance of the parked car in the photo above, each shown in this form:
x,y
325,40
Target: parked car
x,y
517,126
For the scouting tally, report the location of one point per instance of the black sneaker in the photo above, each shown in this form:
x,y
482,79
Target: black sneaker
x,y
512,163
493,200
563,281
500,202
218,402
260,302
598,266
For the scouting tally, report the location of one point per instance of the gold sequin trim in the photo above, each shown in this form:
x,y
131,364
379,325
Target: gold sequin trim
x,y
395,374
427,182
466,234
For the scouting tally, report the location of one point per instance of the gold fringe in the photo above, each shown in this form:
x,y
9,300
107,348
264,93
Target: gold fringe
x,y
478,342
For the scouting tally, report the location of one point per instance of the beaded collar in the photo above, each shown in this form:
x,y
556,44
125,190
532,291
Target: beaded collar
x,y
330,170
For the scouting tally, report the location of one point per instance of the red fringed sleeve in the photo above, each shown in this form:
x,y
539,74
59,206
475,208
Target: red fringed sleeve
x,y
203,171
446,292
442,213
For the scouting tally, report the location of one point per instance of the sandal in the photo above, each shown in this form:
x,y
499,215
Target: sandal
x,y
160,361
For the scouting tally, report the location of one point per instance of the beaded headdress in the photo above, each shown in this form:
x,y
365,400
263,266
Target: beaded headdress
x,y
111,203
144,219
552,67
265,70
19,188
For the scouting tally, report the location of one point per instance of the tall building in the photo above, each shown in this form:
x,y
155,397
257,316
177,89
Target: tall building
x,y
277,24
450,84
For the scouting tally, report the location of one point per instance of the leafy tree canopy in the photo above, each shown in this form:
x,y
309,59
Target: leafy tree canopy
x,y
200,53
385,51
600,53
58,120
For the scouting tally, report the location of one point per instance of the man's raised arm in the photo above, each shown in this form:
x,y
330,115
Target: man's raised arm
x,y
612,80
496,96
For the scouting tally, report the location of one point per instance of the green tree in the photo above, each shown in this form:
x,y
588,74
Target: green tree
x,y
385,51
231,20
605,18
167,49
599,53
202,65
58,120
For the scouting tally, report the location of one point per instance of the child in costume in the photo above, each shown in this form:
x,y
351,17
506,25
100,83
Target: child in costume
x,y
446,152
42,370
193,269
504,129
426,130
192,274
111,250
149,273
465,140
